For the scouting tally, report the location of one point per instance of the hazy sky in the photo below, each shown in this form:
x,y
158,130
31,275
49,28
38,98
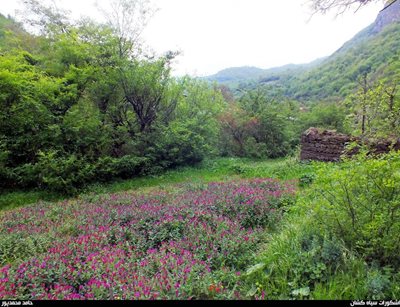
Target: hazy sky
x,y
216,34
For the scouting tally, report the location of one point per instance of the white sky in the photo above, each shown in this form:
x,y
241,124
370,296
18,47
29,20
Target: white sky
x,y
217,34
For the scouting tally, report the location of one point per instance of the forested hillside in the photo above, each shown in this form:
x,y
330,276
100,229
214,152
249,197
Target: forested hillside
x,y
237,76
336,77
375,49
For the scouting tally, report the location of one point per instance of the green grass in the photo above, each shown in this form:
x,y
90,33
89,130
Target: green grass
x,y
285,270
14,199
221,169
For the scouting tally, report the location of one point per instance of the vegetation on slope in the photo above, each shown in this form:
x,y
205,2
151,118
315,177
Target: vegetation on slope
x,y
340,239
335,77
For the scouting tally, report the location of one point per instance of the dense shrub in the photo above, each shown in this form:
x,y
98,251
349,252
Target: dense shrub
x,y
108,168
358,201
74,110
180,145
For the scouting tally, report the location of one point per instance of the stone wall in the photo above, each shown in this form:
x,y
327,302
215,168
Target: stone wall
x,y
326,145
323,145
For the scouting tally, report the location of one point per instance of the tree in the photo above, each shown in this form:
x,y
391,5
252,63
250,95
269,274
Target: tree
x,y
86,104
376,109
127,18
261,124
145,85
391,91
364,87
45,19
233,130
324,6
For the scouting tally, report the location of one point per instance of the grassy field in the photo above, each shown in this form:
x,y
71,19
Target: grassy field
x,y
222,169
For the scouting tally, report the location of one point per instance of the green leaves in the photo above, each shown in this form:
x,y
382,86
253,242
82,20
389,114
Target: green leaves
x,y
358,201
77,108
301,293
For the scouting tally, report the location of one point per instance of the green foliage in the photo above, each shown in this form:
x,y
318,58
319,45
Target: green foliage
x,y
358,202
179,145
324,115
75,110
259,126
63,173
307,179
377,284
15,248
108,168
375,110
296,260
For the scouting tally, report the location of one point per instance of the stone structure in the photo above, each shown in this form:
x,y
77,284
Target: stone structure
x,y
323,145
327,145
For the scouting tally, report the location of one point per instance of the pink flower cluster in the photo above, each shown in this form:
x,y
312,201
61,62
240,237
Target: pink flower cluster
x,y
156,246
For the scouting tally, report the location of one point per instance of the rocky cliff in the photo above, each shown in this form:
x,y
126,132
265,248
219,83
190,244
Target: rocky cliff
x,y
389,15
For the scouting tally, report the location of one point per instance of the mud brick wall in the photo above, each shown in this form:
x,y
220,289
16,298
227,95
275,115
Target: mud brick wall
x,y
329,145
323,145
384,146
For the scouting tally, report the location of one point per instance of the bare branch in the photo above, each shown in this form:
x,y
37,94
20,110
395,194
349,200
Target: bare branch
x,y
340,6
128,19
44,17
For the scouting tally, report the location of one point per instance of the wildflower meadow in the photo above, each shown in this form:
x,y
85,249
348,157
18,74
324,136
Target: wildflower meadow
x,y
195,242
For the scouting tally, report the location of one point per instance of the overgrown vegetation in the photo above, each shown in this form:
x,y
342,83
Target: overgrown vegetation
x,y
82,103
76,109
176,195
64,126
340,239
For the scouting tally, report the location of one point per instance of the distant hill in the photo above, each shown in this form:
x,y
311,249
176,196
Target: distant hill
x,y
376,49
236,75
9,30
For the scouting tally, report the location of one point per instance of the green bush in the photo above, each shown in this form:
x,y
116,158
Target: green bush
x,y
7,176
306,180
180,145
64,174
129,166
358,201
377,284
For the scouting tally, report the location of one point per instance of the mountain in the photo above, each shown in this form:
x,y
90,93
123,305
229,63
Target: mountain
x,y
375,49
238,75
390,14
